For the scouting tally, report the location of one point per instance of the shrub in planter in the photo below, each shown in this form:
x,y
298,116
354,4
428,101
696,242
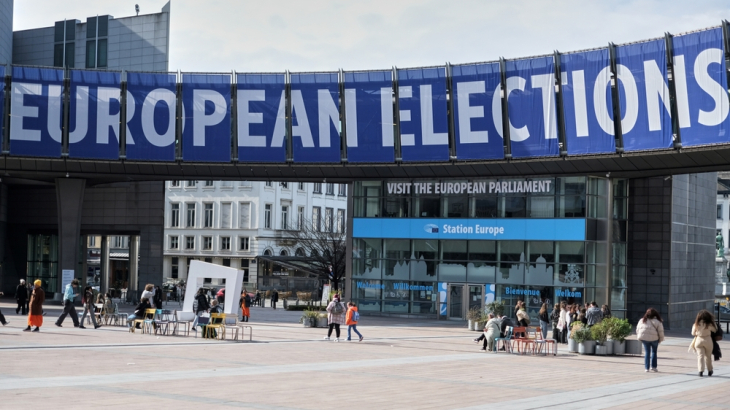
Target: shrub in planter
x,y
599,333
495,307
322,320
572,343
473,315
291,307
618,331
586,345
309,318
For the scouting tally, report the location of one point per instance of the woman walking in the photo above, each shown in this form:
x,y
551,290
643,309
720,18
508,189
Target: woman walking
x,y
543,316
87,299
351,319
702,343
35,316
650,331
202,300
335,317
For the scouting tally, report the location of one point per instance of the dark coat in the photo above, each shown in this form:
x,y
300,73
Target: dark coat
x,y
202,303
716,352
36,302
21,292
274,296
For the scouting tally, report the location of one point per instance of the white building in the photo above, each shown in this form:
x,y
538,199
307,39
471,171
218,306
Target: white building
x,y
230,223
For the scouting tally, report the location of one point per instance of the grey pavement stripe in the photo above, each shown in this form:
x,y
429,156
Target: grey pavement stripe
x,y
130,378
616,394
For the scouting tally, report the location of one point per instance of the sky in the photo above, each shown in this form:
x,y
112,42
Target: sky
x,y
326,35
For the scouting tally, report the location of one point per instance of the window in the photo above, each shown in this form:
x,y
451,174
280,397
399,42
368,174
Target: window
x,y
90,53
208,216
342,190
174,184
120,242
340,220
92,241
283,252
101,53
285,217
246,184
225,243
328,219
300,186
64,50
317,188
300,218
300,252
190,215
267,216
226,215
173,267
243,243
174,215
316,211
207,243
268,184
227,262
284,185
174,242
189,242
330,189
244,215
191,184
209,183
719,212
227,184
244,268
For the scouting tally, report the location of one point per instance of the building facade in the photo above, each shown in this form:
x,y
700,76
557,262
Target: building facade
x,y
439,248
230,223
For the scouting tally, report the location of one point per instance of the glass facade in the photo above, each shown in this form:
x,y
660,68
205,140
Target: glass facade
x,y
403,270
42,260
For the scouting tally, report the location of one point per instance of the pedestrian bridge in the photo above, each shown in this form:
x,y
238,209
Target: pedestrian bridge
x,y
652,107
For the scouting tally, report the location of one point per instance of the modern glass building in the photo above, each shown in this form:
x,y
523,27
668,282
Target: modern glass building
x,y
440,247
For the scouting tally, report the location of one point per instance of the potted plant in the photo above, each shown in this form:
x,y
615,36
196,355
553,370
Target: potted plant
x,y
572,343
322,320
473,315
495,307
618,331
586,344
599,333
309,318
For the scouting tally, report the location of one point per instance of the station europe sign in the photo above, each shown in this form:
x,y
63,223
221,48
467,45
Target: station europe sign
x,y
477,187
268,117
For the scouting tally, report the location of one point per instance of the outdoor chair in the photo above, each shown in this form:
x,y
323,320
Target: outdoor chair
x,y
184,320
149,320
550,345
163,320
216,327
119,318
517,336
202,322
506,340
529,339
149,315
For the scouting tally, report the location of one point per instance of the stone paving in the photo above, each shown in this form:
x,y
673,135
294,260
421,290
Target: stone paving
x,y
402,363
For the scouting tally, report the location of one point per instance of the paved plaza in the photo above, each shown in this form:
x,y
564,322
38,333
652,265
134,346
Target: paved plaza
x,y
401,364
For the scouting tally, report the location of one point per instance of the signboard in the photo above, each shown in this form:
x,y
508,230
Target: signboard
x,y
67,275
326,293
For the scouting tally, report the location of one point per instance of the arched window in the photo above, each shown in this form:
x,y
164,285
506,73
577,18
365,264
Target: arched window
x,y
267,252
300,252
284,253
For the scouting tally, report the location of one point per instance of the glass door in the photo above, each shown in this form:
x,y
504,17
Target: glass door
x,y
456,302
476,296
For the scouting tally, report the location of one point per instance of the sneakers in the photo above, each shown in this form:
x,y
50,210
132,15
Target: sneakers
x,y
326,338
5,323
348,339
476,340
37,329
360,339
337,339
646,370
654,370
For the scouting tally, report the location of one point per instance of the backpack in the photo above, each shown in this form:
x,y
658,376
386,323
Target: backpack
x,y
356,316
338,309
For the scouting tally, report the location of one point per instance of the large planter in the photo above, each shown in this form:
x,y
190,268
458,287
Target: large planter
x,y
572,346
609,347
600,350
587,347
470,324
605,349
479,326
619,347
633,347
322,322
307,322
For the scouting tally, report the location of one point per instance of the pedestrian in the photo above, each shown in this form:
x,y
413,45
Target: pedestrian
x,y
582,317
21,296
35,317
157,297
87,299
554,320
335,317
563,322
202,300
702,343
148,292
351,319
245,303
593,314
650,331
2,317
221,296
274,298
68,304
605,311
543,316
257,300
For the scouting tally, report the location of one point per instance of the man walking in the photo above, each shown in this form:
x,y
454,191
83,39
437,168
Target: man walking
x,y
35,318
21,296
68,304
274,298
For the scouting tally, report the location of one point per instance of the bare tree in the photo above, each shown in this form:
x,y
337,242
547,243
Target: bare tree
x,y
325,247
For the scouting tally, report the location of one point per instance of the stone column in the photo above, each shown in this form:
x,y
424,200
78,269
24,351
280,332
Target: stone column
x,y
104,265
69,200
133,262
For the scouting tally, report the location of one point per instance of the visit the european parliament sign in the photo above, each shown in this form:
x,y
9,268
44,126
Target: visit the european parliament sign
x,y
648,95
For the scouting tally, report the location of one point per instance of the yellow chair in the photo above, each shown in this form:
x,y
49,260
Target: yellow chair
x,y
149,315
217,322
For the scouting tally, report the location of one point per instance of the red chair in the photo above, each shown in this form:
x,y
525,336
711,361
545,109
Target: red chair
x,y
517,336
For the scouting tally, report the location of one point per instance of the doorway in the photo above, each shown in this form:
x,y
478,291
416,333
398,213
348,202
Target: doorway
x,y
463,297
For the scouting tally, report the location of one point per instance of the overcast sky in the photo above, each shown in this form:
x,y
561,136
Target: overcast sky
x,y
273,35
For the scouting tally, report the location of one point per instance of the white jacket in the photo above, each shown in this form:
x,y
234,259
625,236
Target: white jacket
x,y
650,331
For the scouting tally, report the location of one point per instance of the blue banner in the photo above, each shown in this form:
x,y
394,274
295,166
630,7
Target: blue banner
x,y
151,107
532,229
644,95
315,106
2,98
261,117
478,107
424,124
701,85
531,101
94,114
207,117
587,105
35,104
369,114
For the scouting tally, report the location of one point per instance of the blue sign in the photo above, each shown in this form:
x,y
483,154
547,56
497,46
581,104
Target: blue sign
x,y
369,116
641,69
261,117
532,229
207,117
151,108
315,106
424,124
587,104
94,115
478,110
2,98
443,297
35,104
530,94
701,85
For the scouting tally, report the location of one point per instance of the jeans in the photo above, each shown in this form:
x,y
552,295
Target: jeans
x,y
89,310
544,329
352,327
650,348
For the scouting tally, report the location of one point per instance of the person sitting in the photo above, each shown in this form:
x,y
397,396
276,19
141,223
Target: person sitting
x,y
139,312
215,307
491,330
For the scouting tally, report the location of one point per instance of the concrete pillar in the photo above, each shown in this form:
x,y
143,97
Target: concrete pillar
x,y
69,200
104,265
133,262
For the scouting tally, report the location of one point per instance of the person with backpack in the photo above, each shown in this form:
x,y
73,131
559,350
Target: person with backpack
x,y
335,317
351,319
